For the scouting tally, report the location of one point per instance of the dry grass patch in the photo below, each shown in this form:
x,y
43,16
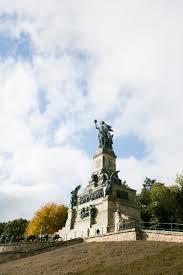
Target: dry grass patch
x,y
138,257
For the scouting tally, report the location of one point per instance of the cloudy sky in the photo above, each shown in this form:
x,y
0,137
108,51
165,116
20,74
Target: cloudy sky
x,y
64,64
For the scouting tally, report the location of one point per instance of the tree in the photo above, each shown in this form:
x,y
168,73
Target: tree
x,y
2,226
163,206
148,183
160,203
144,199
47,220
179,179
15,228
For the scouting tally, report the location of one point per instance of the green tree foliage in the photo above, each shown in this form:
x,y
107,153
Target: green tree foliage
x,y
15,228
49,219
163,203
179,179
160,203
2,226
179,197
148,184
144,200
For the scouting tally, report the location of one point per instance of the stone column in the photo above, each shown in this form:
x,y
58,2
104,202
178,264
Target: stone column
x,y
71,219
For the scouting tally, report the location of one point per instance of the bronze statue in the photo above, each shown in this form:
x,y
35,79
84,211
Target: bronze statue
x,y
74,193
112,177
104,135
85,212
88,212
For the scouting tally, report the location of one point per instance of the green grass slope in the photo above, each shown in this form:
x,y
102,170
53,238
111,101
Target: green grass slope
x,y
138,257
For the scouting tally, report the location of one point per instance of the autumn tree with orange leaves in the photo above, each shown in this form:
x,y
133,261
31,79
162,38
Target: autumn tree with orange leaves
x,y
47,220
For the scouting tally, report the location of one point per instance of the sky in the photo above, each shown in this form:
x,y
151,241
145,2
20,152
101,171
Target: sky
x,y
64,64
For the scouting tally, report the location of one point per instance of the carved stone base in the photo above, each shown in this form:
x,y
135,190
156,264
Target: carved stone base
x,y
111,210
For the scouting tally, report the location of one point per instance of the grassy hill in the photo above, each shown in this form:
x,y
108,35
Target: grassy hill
x,y
138,257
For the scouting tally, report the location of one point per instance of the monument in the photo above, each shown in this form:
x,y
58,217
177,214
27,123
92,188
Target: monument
x,y
107,202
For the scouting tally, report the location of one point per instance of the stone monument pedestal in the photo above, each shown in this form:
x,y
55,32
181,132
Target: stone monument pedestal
x,y
106,203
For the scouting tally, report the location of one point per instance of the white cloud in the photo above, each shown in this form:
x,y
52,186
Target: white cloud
x,y
45,174
130,56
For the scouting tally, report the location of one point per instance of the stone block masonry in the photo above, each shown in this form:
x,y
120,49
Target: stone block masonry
x,y
133,235
126,235
162,236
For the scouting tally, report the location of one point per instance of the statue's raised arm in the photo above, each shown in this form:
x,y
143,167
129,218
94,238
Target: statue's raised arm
x,y
95,121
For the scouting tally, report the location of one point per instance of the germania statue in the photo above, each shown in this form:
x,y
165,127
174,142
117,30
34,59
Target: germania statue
x,y
104,135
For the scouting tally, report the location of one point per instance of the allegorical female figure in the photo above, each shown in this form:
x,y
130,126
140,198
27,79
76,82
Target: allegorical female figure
x,y
104,135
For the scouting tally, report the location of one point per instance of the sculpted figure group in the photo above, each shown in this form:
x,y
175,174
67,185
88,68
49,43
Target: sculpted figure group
x,y
91,196
88,212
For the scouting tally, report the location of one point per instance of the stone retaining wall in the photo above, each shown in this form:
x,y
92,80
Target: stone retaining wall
x,y
162,236
133,235
13,252
126,235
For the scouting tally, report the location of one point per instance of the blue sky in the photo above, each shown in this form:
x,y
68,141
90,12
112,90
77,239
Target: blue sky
x,y
42,101
59,70
16,48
